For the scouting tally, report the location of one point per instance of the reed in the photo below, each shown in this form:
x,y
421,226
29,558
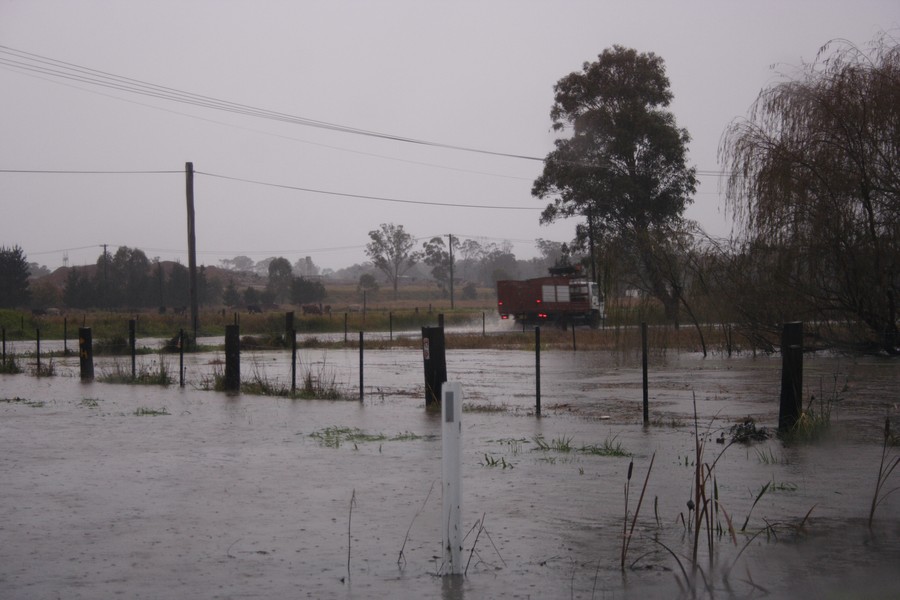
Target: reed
x,y
705,506
349,539
401,559
627,534
885,468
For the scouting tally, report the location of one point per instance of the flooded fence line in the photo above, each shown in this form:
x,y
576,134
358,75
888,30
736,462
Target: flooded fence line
x,y
434,361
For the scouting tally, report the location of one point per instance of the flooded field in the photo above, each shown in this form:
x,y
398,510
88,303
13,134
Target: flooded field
x,y
148,492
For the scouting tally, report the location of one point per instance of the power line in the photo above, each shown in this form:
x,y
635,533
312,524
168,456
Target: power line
x,y
65,250
78,172
290,138
35,63
289,187
364,196
21,60
270,184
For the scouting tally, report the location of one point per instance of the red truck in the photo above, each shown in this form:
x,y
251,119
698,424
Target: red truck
x,y
565,297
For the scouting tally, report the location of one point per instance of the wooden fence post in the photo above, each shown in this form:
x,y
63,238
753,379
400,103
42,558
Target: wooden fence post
x,y
181,357
791,405
293,362
288,325
86,353
232,381
435,359
646,386
537,371
361,350
132,344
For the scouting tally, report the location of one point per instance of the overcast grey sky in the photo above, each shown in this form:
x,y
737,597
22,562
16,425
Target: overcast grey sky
x,y
475,74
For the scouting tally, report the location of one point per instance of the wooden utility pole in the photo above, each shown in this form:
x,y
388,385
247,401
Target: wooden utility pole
x,y
591,244
451,270
105,274
192,246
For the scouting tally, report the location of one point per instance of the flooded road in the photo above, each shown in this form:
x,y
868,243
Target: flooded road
x,y
138,491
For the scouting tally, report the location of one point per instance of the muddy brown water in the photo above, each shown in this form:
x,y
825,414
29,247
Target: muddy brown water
x,y
235,497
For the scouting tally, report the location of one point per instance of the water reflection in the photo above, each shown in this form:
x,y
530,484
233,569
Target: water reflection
x,y
452,587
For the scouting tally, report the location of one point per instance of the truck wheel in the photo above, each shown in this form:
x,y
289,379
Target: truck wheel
x,y
595,319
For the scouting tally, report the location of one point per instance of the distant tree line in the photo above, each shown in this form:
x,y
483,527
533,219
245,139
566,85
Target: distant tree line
x,y
395,255
128,279
282,286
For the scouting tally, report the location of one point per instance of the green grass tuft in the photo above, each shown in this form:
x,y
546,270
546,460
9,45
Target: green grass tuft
x,y
335,436
563,444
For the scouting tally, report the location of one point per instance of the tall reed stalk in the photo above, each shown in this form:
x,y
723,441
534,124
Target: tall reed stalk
x,y
885,468
626,533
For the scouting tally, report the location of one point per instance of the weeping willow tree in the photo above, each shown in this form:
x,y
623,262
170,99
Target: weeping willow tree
x,y
814,183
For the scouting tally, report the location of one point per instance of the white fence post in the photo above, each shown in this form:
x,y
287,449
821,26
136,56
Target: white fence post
x,y
451,432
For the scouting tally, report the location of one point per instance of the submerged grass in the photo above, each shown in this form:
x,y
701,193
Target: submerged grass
x,y
143,411
319,385
144,375
609,447
815,420
336,436
767,456
24,401
484,408
563,444
10,366
44,369
492,461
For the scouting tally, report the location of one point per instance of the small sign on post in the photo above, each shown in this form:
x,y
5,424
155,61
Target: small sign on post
x,y
451,475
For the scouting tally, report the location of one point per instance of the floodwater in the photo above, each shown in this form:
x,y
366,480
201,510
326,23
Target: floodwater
x,y
239,496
